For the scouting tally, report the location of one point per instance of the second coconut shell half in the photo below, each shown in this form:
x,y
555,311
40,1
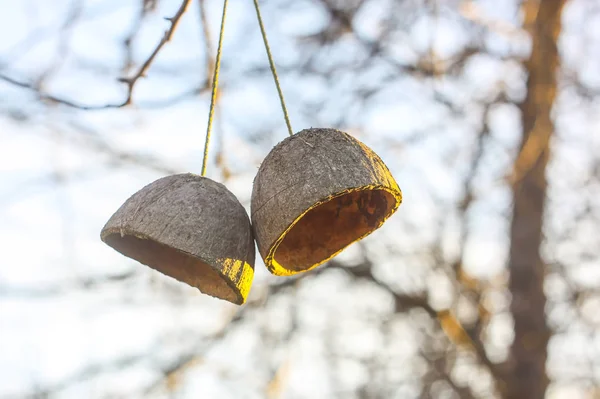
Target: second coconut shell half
x,y
315,193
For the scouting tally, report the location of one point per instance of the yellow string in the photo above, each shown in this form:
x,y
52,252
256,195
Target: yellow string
x,y
273,69
215,85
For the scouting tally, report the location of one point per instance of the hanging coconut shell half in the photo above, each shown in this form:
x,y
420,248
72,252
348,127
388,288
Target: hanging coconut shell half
x,y
190,228
315,193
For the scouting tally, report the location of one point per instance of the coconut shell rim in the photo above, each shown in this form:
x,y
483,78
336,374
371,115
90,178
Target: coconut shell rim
x,y
279,270
241,298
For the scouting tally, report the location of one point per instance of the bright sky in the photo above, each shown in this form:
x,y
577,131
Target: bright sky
x,y
50,233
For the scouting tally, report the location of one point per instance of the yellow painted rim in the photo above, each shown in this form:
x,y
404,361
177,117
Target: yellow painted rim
x,y
231,268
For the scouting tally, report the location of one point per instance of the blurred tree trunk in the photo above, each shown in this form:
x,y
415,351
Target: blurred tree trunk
x,y
527,376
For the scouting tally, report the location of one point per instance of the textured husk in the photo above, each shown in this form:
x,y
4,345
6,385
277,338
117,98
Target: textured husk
x,y
190,228
315,193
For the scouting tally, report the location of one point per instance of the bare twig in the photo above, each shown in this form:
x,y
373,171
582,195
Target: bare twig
x,y
62,53
128,41
174,20
130,82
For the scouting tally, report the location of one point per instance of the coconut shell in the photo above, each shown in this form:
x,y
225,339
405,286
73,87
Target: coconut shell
x,y
190,228
315,193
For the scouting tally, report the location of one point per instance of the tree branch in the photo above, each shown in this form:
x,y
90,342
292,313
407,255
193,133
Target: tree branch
x,y
130,82
174,20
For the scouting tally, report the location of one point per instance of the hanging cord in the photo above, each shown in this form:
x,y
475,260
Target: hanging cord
x,y
273,69
215,85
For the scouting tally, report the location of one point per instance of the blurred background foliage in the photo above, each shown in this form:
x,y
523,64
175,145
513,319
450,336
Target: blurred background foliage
x,y
484,284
